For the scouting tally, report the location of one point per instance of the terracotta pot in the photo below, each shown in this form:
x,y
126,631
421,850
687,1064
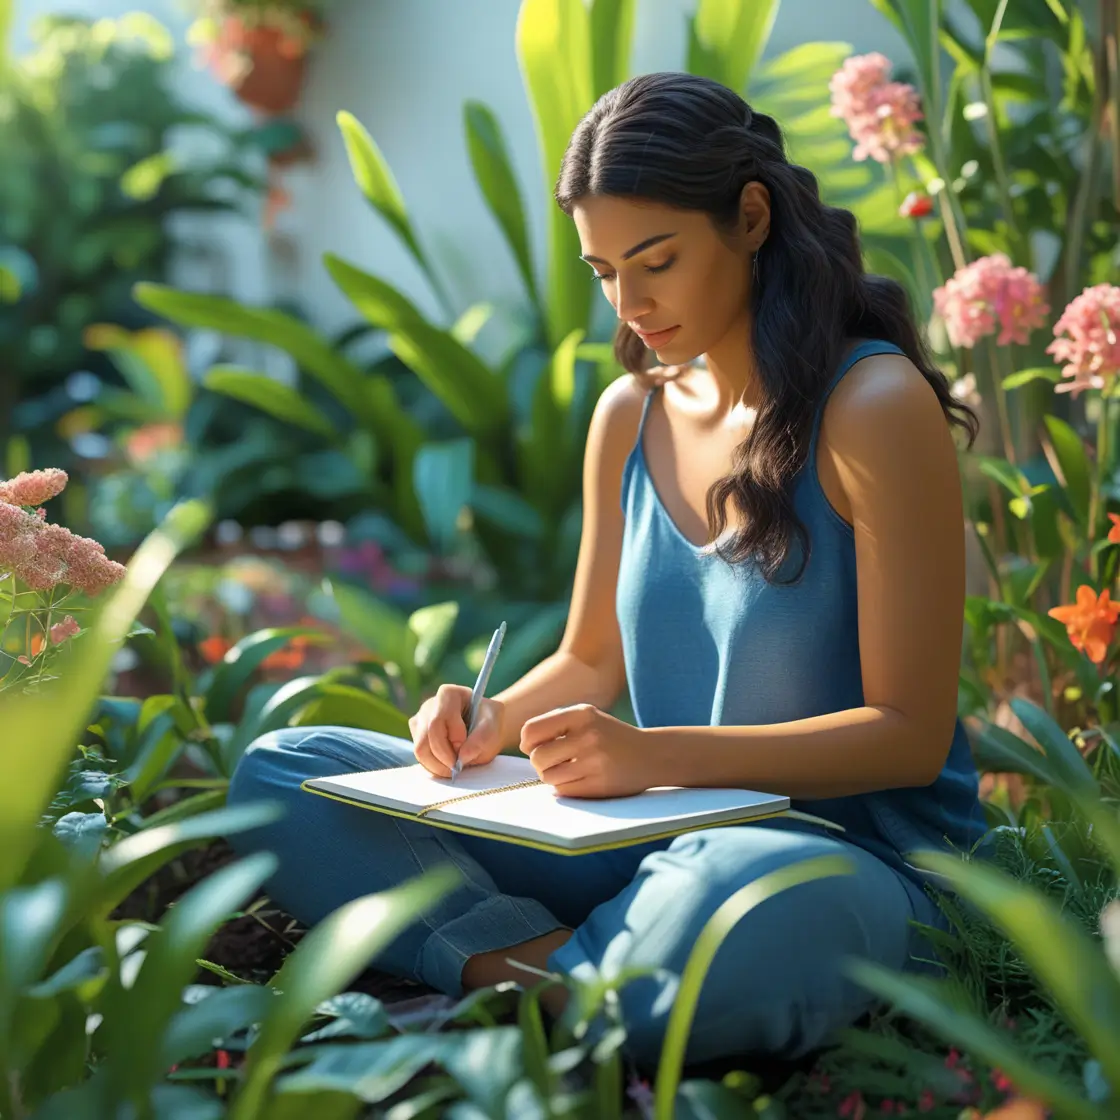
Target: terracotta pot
x,y
262,65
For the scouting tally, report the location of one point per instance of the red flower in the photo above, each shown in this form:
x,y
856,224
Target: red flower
x,y
214,648
926,1103
1114,532
916,204
853,1106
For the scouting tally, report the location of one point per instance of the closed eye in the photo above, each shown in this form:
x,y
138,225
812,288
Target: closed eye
x,y
601,276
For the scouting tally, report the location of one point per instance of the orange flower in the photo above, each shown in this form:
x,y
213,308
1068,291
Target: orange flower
x,y
36,644
1114,532
214,648
1090,622
291,656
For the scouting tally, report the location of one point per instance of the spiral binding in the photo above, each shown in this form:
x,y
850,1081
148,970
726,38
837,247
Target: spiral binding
x,y
480,793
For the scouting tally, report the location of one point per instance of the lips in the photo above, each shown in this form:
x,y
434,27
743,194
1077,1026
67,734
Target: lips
x,y
654,339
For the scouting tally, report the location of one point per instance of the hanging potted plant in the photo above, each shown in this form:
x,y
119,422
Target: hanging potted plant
x,y
259,47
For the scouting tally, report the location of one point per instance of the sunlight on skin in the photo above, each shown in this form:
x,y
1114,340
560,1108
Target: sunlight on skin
x,y
485,969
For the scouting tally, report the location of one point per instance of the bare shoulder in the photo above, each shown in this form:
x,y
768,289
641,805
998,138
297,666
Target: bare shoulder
x,y
884,399
617,416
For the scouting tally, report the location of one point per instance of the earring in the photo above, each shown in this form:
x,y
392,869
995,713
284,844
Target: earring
x,y
754,267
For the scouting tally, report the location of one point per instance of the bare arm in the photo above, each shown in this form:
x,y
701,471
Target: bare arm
x,y
588,667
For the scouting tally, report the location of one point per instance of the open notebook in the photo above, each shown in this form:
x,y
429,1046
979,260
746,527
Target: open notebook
x,y
508,802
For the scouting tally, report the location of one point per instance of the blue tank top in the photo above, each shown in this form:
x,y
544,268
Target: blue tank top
x,y
709,644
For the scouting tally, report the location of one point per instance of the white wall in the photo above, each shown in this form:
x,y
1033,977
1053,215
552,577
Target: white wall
x,y
404,68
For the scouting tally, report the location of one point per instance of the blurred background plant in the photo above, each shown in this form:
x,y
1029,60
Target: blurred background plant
x,y
86,185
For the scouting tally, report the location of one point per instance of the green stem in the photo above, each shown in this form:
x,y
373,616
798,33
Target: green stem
x,y
1096,504
1001,402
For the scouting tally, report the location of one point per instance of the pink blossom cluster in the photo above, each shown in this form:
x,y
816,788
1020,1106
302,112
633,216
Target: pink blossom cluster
x,y
34,488
988,294
880,114
43,555
1091,348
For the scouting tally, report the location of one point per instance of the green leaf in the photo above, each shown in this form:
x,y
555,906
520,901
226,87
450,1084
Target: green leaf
x,y
9,286
442,475
159,743
925,999
151,361
82,833
344,380
380,627
612,34
1071,771
1072,465
84,973
1070,964
193,1030
432,626
354,1015
494,173
507,510
726,39
325,961
343,706
275,713
470,390
136,1016
187,807
1026,376
272,397
712,936
130,861
375,180
234,671
554,51
465,329
1003,473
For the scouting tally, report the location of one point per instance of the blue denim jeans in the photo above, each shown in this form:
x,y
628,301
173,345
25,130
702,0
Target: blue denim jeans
x,y
775,986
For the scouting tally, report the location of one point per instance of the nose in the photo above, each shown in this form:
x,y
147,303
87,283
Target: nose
x,y
631,301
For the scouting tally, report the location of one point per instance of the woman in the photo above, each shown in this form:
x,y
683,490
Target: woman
x,y
772,560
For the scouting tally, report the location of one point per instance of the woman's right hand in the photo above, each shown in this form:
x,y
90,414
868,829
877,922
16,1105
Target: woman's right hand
x,y
439,730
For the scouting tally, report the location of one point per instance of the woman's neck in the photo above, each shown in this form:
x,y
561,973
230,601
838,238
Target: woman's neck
x,y
733,369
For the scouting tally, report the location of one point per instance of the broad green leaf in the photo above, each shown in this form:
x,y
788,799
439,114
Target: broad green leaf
x,y
233,672
375,180
715,930
82,833
1026,376
40,729
272,397
726,38
493,170
471,391
562,372
1071,773
323,963
507,510
1072,465
612,34
465,329
130,861
151,361
31,921
137,1016
275,713
442,475
432,626
554,52
344,706
187,807
997,749
159,743
84,972
381,628
193,1029
1003,473
9,286
1067,961
924,999
345,381
352,1014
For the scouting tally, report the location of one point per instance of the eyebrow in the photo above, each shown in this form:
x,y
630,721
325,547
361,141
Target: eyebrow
x,y
647,244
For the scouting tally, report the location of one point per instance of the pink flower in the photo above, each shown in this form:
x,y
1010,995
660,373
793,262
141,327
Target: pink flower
x,y
64,630
880,114
853,1106
35,488
1092,349
44,555
991,293
926,1102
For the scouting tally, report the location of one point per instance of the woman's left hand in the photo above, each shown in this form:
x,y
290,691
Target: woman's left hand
x,y
583,752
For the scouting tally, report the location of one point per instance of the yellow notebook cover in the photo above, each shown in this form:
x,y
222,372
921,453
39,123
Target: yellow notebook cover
x,y
505,800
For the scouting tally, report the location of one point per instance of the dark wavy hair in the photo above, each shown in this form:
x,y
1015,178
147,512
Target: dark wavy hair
x,y
688,142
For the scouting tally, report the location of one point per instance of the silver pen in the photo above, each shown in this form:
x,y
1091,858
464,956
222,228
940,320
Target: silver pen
x,y
479,689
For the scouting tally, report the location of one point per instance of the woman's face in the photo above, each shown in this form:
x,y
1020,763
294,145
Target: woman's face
x,y
667,270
